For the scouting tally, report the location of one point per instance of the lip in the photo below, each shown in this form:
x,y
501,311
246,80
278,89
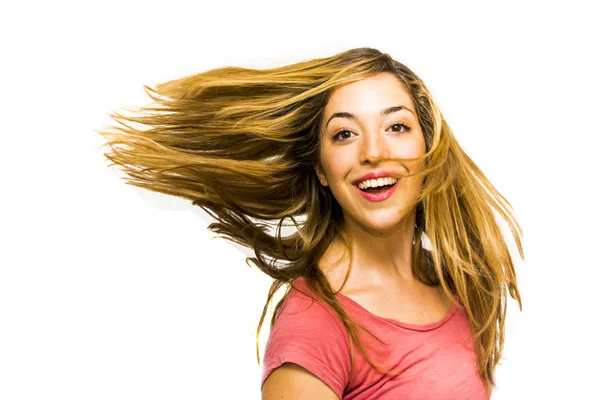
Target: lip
x,y
375,197
376,175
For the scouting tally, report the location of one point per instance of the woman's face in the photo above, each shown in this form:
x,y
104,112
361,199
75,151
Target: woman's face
x,y
350,148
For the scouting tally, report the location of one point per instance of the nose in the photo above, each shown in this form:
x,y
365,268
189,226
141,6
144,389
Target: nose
x,y
373,147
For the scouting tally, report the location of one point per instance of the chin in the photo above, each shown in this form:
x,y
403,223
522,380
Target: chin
x,y
383,226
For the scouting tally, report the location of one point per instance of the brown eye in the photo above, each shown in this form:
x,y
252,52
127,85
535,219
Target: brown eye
x,y
337,136
406,127
338,133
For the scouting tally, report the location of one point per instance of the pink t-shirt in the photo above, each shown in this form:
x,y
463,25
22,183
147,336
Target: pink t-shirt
x,y
437,360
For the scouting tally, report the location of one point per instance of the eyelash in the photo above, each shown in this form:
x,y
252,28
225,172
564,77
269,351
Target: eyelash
x,y
347,130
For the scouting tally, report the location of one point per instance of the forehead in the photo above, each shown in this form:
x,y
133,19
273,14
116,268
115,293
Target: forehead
x,y
368,96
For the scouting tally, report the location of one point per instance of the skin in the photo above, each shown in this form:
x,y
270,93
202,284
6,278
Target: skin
x,y
382,231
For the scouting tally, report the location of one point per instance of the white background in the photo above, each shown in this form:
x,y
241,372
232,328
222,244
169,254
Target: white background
x,y
108,291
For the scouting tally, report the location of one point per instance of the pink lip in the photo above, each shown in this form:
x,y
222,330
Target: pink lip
x,y
375,197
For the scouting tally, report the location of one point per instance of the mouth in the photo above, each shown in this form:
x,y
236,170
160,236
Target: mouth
x,y
379,189
379,193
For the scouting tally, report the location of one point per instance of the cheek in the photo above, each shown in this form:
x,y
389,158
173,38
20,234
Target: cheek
x,y
414,148
415,145
338,164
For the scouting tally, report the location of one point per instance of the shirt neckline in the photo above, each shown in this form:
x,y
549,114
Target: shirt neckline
x,y
416,327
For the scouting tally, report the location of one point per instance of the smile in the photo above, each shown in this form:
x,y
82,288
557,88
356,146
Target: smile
x,y
382,194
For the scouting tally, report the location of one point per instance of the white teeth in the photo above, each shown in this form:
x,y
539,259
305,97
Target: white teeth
x,y
376,182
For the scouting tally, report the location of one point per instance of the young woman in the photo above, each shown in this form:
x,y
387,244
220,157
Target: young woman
x,y
396,278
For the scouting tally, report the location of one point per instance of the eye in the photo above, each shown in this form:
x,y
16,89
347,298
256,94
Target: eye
x,y
402,126
336,136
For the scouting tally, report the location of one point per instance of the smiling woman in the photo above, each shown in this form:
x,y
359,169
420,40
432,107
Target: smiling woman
x,y
396,281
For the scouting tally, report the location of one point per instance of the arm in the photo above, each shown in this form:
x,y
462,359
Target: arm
x,y
292,382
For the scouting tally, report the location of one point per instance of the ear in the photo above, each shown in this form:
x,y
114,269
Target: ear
x,y
320,175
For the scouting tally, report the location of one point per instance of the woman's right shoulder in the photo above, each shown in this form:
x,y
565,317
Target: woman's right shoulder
x,y
310,335
302,305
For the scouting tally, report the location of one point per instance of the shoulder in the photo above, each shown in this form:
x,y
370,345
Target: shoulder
x,y
301,300
309,334
305,318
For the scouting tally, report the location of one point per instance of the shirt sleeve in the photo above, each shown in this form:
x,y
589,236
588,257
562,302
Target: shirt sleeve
x,y
310,335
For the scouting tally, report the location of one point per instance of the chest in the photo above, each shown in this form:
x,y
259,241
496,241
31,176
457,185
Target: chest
x,y
419,305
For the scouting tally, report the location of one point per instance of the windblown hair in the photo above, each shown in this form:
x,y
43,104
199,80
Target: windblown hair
x,y
243,145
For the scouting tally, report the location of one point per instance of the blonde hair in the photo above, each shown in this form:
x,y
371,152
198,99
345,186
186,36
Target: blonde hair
x,y
243,144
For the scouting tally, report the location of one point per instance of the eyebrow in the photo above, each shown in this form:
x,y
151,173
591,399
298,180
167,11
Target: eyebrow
x,y
385,111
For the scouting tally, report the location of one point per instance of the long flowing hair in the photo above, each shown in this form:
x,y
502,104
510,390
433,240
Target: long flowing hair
x,y
243,145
